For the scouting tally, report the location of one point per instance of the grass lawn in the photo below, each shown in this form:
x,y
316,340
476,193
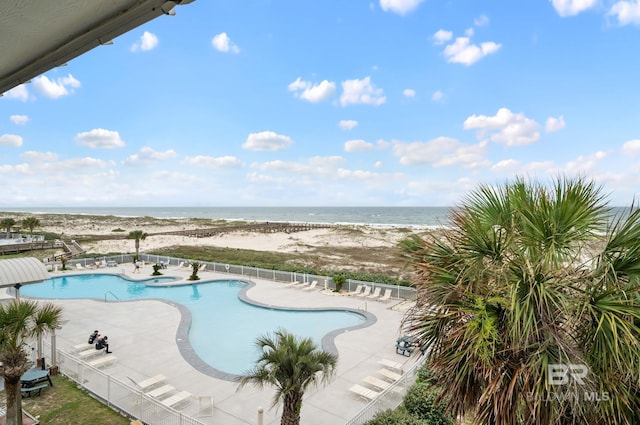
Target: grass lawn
x,y
65,404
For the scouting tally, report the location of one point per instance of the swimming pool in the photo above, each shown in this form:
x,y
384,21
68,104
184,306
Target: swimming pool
x,y
213,306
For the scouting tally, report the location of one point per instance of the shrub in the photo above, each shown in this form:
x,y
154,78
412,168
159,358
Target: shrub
x,y
420,402
394,417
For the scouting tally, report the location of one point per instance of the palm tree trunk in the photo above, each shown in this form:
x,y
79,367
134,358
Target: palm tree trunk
x,y
291,409
14,400
137,248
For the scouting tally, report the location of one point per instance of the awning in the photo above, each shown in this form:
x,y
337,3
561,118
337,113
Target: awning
x,y
22,270
37,35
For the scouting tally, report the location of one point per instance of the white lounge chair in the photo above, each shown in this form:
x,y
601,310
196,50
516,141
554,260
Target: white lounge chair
x,y
311,286
389,374
82,347
202,268
376,294
365,292
161,391
375,382
357,290
176,398
306,285
145,384
101,361
386,296
79,266
364,392
391,364
89,353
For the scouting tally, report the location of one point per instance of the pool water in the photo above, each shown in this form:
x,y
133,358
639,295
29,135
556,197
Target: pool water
x,y
223,328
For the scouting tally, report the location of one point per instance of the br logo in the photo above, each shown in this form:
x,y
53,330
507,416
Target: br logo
x,y
560,374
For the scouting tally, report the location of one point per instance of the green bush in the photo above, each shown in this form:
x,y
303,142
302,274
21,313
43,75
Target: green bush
x,y
420,402
394,417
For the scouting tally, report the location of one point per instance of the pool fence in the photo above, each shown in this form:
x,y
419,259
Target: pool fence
x,y
125,398
398,292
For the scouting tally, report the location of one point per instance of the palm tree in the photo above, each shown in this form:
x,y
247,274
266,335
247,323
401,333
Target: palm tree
x,y
195,266
7,224
138,235
528,307
30,223
290,364
20,321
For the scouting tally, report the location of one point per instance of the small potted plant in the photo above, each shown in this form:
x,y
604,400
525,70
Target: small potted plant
x,y
339,280
156,268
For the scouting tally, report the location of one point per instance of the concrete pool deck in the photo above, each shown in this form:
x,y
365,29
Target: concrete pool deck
x,y
144,336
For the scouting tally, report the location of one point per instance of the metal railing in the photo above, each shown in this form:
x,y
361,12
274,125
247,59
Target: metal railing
x,y
121,396
324,282
390,398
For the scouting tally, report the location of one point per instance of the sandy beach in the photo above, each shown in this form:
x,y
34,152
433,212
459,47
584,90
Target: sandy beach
x,y
358,247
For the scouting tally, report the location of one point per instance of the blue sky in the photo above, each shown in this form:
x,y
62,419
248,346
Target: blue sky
x,y
327,102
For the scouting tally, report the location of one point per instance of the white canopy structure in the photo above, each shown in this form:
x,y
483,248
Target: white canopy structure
x,y
37,35
21,271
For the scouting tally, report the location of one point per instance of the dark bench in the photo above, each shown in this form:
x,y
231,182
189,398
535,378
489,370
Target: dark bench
x,y
26,392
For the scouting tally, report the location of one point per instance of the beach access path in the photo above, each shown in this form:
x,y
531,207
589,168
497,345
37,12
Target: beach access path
x,y
146,340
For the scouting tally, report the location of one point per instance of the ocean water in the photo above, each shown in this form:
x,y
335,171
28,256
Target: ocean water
x,y
428,217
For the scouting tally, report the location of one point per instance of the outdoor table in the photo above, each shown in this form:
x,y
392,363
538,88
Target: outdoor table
x,y
33,377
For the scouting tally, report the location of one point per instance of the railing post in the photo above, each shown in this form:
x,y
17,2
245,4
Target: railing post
x,y
260,415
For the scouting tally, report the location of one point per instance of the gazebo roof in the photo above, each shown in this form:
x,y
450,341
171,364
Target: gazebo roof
x,y
22,271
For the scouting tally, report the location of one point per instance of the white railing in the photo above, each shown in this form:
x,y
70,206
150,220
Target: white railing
x,y
390,398
398,292
121,396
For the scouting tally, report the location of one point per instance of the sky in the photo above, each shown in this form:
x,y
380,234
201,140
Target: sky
x,y
333,103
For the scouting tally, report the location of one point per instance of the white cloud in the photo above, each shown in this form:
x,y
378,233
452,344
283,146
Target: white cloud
x,y
627,12
469,32
148,41
378,164
555,124
347,124
313,93
462,51
441,37
400,7
147,154
55,89
481,21
19,92
437,96
357,145
507,165
409,92
39,156
631,148
513,129
572,7
99,138
11,140
584,163
441,152
19,119
267,141
214,162
361,91
82,163
223,43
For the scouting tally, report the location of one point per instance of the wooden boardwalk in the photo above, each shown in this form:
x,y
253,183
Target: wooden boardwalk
x,y
257,227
